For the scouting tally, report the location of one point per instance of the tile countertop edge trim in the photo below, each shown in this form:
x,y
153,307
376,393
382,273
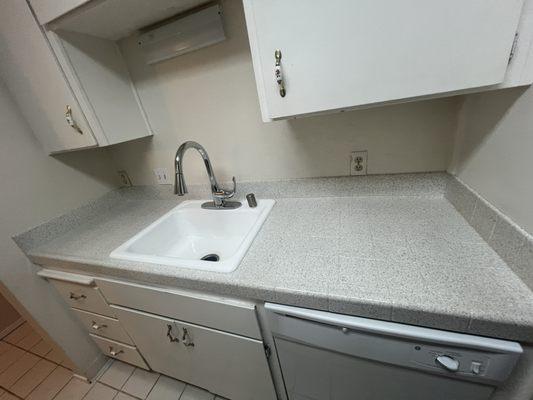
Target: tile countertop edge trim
x,y
469,324
512,243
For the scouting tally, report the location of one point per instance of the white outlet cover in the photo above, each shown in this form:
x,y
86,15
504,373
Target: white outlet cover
x,y
363,155
162,176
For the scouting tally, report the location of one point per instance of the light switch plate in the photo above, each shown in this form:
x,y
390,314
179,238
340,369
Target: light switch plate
x,y
162,176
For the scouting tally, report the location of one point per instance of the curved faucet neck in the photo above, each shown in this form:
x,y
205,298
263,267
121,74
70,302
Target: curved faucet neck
x,y
180,188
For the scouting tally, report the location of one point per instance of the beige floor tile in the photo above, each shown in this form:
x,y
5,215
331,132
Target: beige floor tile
x,y
140,383
29,341
8,396
18,334
17,369
124,396
100,392
74,390
166,389
3,347
55,355
9,357
51,385
42,348
117,374
195,393
31,379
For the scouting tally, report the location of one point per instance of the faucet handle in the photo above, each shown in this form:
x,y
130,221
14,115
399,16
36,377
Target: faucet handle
x,y
227,194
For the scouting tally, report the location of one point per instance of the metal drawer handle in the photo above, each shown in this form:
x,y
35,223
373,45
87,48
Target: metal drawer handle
x,y
278,74
171,338
77,297
71,122
186,339
96,327
115,353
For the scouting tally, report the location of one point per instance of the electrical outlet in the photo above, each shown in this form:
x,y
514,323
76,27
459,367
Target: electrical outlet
x,y
162,176
124,178
358,162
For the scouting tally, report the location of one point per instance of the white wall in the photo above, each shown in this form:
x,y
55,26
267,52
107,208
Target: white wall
x,y
494,151
210,96
35,188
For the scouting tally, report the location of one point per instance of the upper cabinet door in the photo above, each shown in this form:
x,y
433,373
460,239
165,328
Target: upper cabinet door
x,y
48,10
341,54
37,83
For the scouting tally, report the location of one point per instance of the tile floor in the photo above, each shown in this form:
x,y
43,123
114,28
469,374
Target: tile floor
x,y
32,369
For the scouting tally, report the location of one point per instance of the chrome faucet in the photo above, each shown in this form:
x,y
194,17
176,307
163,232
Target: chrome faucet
x,y
220,195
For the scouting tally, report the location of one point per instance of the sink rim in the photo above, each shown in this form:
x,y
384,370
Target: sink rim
x,y
264,206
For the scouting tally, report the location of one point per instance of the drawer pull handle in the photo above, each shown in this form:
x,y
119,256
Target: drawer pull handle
x,y
97,327
71,122
74,296
115,353
279,74
186,339
171,338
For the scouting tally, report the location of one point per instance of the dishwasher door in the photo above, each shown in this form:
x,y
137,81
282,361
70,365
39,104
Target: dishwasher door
x,y
325,356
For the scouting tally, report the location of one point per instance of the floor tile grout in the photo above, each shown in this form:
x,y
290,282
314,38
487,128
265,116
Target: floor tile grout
x,y
37,355
29,394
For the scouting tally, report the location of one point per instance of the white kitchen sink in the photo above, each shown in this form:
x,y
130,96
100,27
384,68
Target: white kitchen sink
x,y
188,233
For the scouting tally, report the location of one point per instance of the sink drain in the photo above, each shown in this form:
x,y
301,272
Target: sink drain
x,y
210,257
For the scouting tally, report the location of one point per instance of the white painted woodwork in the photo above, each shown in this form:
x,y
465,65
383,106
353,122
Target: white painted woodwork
x,y
66,276
103,326
120,351
86,298
520,69
229,365
346,54
116,19
36,82
100,79
48,10
219,312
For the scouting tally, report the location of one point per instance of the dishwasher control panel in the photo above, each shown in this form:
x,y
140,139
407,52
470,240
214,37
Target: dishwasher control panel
x,y
462,362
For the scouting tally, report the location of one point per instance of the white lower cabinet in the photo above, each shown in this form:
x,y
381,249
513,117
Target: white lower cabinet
x,y
229,365
120,351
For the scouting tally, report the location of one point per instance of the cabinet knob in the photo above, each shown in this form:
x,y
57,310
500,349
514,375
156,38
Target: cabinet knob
x,y
74,296
71,122
278,74
169,335
97,327
115,353
186,339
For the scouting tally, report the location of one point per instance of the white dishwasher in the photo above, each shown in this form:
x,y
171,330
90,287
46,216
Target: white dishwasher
x,y
326,356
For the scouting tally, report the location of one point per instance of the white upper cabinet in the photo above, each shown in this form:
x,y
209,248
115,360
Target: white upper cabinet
x,y
36,82
342,54
48,10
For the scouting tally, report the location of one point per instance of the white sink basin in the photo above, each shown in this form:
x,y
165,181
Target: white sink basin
x,y
188,232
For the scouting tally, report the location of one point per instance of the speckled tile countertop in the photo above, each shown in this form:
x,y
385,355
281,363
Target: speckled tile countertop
x,y
385,247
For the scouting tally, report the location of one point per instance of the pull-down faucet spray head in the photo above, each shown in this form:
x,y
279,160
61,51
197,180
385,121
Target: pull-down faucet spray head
x,y
220,195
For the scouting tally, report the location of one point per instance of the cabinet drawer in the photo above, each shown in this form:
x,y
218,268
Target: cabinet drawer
x,y
103,326
83,297
223,363
120,351
222,313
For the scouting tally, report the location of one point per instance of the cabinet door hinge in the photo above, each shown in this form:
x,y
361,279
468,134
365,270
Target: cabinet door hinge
x,y
513,48
268,352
